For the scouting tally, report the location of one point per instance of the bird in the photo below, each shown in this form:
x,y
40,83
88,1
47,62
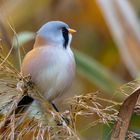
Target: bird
x,y
51,63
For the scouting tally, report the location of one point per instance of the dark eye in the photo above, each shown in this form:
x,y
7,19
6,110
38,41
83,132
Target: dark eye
x,y
64,30
65,34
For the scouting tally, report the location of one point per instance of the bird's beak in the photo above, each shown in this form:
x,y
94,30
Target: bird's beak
x,y
72,30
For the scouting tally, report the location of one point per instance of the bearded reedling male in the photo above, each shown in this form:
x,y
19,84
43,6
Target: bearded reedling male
x,y
51,63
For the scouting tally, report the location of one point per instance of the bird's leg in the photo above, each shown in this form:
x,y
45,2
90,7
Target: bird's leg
x,y
64,118
54,106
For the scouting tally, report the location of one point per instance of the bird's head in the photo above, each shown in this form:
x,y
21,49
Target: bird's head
x,y
56,33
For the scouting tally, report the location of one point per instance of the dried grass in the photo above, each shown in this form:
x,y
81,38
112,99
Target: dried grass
x,y
46,124
132,136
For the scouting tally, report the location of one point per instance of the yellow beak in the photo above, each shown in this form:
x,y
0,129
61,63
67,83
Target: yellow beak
x,y
72,31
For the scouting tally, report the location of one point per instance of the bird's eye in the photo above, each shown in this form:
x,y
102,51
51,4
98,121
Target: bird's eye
x,y
65,33
64,30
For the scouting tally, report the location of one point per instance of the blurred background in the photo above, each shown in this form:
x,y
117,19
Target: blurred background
x,y
106,45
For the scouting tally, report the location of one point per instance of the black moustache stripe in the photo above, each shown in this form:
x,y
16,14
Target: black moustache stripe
x,y
65,34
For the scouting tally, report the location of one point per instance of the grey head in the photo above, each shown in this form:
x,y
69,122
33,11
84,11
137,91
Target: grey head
x,y
56,33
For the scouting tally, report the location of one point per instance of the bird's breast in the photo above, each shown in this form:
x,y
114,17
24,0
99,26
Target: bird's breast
x,y
51,69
